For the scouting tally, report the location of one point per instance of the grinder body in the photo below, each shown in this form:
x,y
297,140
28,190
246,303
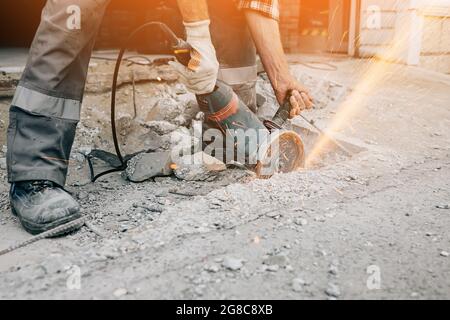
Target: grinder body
x,y
269,152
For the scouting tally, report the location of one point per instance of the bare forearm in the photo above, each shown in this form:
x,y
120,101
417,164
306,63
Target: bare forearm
x,y
193,10
266,35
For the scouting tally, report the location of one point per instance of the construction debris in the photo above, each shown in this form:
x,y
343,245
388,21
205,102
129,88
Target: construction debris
x,y
333,291
161,127
9,79
298,284
120,292
100,75
198,167
232,264
145,166
280,260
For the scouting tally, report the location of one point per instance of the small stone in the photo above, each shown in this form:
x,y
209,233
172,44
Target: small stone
x,y
82,195
182,141
145,166
151,141
445,254
124,123
301,222
333,291
199,290
298,284
161,127
120,292
273,215
3,163
214,268
232,264
333,270
415,295
278,260
198,167
273,268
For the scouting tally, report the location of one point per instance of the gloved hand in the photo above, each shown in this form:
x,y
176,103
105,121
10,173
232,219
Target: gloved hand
x,y
200,76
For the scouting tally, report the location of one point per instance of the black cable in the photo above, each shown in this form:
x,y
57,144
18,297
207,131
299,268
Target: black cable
x,y
169,33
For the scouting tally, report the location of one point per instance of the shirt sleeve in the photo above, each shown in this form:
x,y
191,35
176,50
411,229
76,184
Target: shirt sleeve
x,y
269,8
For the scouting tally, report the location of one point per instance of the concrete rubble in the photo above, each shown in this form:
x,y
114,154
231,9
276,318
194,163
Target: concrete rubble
x,y
9,79
145,166
198,167
232,264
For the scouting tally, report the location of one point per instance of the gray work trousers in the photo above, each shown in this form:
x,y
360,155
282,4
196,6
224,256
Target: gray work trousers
x,y
46,107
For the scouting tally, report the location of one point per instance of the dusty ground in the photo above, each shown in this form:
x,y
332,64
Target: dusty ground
x,y
311,234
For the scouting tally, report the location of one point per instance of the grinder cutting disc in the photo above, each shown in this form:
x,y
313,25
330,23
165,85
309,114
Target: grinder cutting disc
x,y
283,153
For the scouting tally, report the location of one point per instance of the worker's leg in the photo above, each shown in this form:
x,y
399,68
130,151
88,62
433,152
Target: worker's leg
x,y
235,50
46,107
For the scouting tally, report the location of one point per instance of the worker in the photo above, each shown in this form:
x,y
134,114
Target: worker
x,y
224,36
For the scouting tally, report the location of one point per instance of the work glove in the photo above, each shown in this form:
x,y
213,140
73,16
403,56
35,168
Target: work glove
x,y
200,76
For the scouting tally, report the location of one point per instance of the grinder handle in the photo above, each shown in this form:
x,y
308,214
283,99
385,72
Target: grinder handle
x,y
283,112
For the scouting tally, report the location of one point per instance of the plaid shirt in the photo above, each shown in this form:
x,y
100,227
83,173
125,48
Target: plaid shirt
x,y
268,8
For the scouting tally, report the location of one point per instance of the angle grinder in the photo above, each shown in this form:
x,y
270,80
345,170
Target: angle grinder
x,y
277,151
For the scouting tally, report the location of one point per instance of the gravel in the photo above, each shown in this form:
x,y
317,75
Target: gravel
x,y
2,163
232,264
298,284
333,290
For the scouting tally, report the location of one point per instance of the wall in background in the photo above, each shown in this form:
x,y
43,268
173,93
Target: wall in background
x,y
414,32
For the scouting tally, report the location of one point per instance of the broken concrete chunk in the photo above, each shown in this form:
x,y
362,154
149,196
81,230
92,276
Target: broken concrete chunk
x,y
333,291
232,264
145,166
3,163
298,284
161,127
183,142
120,292
279,260
166,109
124,124
9,79
151,141
198,167
213,268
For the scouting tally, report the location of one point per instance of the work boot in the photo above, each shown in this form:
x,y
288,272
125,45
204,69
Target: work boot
x,y
42,206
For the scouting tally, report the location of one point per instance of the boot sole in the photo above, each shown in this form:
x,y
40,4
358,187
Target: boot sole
x,y
36,228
